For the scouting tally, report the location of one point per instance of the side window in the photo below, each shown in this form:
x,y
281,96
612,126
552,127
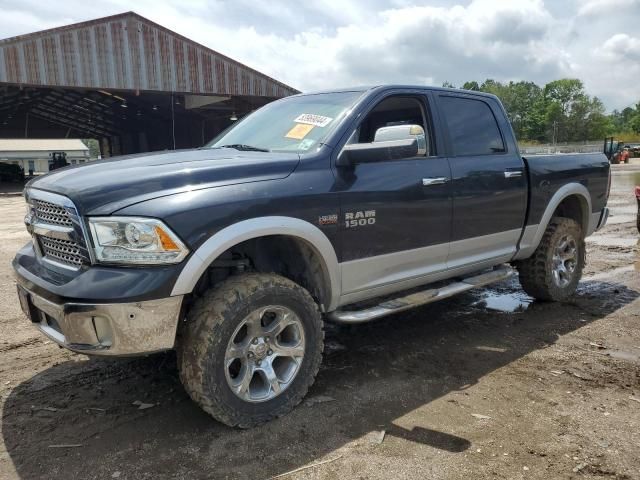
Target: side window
x,y
395,118
472,126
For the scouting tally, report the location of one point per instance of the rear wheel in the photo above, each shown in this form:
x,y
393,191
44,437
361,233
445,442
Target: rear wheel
x,y
555,268
251,348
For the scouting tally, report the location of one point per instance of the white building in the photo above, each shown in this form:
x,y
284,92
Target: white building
x,y
35,154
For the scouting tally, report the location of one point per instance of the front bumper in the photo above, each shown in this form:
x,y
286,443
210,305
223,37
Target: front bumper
x,y
100,310
117,329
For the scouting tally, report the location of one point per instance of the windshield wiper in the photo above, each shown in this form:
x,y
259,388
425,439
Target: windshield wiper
x,y
243,147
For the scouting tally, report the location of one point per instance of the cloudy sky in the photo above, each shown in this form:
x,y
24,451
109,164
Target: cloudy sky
x,y
321,44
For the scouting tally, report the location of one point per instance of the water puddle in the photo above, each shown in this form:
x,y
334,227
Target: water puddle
x,y
618,219
626,180
612,241
621,210
621,355
507,302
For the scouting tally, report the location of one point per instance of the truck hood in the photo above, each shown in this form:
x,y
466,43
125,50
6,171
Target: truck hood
x,y
102,187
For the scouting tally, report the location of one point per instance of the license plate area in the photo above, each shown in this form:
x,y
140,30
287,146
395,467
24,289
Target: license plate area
x,y
27,306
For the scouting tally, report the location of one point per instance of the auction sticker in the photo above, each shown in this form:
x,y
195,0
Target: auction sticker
x,y
311,119
299,131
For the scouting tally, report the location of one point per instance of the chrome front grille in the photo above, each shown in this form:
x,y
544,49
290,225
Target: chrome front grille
x,y
57,230
51,214
66,252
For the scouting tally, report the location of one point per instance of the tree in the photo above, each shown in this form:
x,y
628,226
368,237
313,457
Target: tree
x,y
565,98
521,98
94,147
560,111
631,119
564,92
471,86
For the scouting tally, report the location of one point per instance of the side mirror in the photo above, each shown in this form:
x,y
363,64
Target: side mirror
x,y
403,132
377,152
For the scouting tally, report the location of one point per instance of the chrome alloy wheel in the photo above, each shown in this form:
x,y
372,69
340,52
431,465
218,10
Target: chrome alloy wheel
x,y
565,260
264,354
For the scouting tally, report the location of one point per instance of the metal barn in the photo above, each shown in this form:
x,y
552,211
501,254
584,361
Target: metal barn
x,y
134,85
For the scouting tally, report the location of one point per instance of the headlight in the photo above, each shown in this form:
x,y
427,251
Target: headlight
x,y
141,241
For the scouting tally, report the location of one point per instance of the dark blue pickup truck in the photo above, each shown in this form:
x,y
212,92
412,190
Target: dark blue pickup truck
x,y
340,206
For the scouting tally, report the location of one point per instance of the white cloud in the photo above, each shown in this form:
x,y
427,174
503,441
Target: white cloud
x,y
621,47
412,44
607,7
327,44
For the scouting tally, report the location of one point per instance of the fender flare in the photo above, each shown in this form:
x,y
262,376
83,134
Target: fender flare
x,y
260,227
533,233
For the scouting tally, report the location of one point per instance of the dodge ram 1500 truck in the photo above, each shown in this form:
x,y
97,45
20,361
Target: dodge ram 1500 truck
x,y
340,206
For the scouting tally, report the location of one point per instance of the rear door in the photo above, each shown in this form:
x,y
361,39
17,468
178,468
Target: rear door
x,y
489,183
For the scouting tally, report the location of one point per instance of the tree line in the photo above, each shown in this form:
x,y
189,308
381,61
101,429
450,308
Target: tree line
x,y
561,111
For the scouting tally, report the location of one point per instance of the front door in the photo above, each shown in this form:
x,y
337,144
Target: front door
x,y
489,182
395,215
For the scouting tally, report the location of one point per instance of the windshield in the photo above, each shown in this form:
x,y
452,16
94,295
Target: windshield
x,y
293,124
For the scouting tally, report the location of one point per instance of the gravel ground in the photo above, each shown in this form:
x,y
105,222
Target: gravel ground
x,y
485,385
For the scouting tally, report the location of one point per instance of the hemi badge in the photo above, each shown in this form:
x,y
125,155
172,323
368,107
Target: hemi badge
x,y
328,219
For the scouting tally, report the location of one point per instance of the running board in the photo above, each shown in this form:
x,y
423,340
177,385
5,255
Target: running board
x,y
420,298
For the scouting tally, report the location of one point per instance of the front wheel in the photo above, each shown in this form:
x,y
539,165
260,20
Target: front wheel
x,y
251,348
553,271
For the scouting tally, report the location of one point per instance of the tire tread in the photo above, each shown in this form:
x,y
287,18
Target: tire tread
x,y
534,273
201,334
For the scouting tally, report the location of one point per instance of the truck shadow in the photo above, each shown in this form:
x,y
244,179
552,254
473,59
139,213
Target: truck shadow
x,y
375,377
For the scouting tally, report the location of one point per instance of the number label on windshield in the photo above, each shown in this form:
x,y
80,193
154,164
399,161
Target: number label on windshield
x,y
311,119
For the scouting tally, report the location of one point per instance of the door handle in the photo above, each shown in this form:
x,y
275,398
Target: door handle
x,y
513,174
427,182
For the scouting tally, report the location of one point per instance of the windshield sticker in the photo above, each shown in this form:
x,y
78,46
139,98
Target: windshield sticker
x,y
299,131
306,144
311,119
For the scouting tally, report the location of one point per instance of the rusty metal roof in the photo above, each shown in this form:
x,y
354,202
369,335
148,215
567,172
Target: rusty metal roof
x,y
128,52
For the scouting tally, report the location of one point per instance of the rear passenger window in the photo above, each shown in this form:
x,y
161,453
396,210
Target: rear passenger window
x,y
472,127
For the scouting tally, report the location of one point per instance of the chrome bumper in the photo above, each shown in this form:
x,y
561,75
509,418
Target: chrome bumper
x,y
124,329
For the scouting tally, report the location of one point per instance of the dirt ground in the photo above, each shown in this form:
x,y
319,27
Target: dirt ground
x,y
485,385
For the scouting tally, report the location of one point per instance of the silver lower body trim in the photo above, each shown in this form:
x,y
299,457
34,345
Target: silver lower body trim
x,y
420,298
117,329
378,271
533,233
412,282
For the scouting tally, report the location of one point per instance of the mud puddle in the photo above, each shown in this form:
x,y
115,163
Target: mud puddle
x,y
612,241
618,219
507,302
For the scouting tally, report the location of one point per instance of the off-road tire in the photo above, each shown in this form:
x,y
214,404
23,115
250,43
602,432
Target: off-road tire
x,y
535,272
209,326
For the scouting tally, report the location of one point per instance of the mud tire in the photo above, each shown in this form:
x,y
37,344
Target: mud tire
x,y
536,272
208,329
